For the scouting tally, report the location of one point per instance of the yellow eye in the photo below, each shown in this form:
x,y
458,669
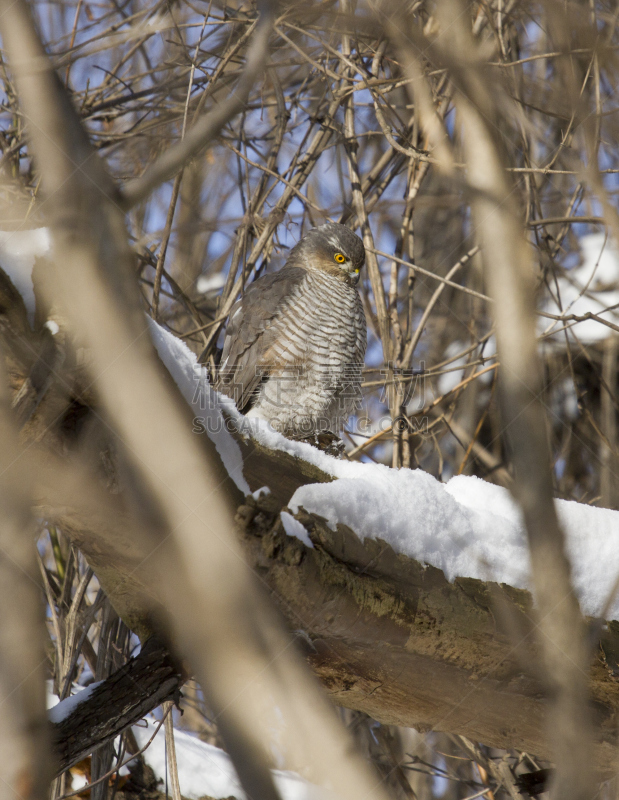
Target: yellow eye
x,y
339,258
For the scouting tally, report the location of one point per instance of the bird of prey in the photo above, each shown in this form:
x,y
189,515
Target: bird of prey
x,y
295,343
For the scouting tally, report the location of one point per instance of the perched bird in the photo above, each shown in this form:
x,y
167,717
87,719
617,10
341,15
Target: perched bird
x,y
295,342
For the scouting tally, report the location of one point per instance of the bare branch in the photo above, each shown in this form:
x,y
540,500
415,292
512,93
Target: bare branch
x,y
206,129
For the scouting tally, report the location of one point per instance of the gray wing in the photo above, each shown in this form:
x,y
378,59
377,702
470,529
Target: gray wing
x,y
247,357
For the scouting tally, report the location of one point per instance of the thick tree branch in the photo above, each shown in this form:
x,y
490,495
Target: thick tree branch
x,y
393,638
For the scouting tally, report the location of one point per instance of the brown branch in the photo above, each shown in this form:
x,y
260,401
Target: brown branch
x,y
393,638
459,655
410,347
24,739
121,700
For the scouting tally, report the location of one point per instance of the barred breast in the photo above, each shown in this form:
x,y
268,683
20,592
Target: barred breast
x,y
318,353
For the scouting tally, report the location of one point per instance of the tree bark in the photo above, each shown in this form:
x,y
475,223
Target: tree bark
x,y
393,638
120,701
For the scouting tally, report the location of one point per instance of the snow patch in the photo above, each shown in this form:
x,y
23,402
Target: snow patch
x,y
18,252
588,288
448,380
61,710
294,528
210,283
192,380
467,527
206,770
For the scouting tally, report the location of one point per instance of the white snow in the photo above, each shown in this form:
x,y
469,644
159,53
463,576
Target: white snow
x,y
294,528
206,770
210,283
467,527
192,380
78,781
18,251
61,710
450,379
591,287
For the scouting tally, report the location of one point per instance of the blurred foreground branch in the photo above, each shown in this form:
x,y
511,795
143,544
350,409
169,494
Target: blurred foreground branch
x,y
509,275
218,619
24,734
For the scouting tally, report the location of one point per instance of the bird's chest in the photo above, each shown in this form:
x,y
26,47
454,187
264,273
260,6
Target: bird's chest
x,y
323,328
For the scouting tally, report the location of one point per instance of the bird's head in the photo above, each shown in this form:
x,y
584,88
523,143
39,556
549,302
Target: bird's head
x,y
334,249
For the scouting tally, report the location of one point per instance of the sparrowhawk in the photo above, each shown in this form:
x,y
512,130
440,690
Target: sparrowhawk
x,y
295,342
